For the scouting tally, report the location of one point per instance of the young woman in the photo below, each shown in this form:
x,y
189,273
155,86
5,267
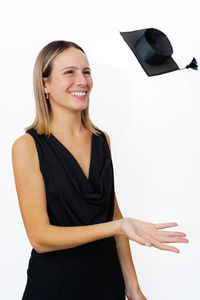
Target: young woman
x,y
65,186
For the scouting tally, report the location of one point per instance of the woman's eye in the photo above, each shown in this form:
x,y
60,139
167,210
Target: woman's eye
x,y
69,72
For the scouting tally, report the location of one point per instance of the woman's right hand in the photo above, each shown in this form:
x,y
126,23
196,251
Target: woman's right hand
x,y
149,234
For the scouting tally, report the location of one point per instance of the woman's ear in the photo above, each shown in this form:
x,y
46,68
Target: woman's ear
x,y
45,85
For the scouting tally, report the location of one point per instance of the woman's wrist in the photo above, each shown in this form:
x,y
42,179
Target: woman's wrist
x,y
132,284
118,230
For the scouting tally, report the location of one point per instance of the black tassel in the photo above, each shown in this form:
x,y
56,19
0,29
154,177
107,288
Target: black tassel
x,y
193,65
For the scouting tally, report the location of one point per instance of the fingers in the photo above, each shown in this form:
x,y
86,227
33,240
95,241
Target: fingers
x,y
165,225
149,234
164,247
164,239
170,236
170,233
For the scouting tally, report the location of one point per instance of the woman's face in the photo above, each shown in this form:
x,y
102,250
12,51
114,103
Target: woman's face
x,y
70,82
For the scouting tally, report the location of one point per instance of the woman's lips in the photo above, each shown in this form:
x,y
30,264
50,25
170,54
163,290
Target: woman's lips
x,y
78,95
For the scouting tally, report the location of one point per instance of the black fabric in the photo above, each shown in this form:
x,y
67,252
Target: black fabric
x,y
89,271
154,47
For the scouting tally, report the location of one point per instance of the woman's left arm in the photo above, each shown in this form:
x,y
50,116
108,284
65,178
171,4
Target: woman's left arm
x,y
125,257
123,249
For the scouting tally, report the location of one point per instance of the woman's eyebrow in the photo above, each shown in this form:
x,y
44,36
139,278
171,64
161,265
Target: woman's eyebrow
x,y
74,68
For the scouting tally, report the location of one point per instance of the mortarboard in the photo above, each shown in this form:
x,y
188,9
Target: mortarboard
x,y
154,51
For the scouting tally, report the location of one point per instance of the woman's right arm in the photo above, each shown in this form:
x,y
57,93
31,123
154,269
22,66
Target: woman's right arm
x,y
45,237
30,188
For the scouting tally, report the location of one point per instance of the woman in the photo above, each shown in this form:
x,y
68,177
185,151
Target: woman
x,y
65,186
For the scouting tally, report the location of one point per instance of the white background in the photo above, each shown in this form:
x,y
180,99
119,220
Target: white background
x,y
153,123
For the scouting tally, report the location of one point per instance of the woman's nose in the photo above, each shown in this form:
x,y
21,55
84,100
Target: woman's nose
x,y
80,79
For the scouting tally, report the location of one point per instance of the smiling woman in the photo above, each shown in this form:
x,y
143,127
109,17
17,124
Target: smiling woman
x,y
58,67
65,186
61,82
64,179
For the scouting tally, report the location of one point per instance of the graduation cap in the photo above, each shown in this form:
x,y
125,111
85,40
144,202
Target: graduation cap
x,y
154,51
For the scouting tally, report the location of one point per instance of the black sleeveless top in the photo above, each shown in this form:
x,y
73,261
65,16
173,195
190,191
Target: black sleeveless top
x,y
92,270
72,199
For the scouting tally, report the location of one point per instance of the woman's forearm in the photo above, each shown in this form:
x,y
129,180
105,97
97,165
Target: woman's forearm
x,y
125,258
52,238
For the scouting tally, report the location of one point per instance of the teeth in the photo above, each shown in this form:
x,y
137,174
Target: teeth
x,y
78,93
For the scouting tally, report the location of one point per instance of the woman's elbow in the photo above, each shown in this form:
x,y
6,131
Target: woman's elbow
x,y
36,246
36,241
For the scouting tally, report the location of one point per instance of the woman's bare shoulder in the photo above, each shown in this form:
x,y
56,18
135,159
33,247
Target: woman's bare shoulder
x,y
23,143
24,148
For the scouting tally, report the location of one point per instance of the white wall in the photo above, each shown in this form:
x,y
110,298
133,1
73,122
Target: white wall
x,y
153,123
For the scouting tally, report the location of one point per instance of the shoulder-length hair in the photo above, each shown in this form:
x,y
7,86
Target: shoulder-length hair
x,y
42,69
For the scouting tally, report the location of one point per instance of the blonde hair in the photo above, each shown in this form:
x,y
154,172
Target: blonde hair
x,y
42,69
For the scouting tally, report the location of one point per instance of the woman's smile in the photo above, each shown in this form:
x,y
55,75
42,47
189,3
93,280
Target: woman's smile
x,y
78,94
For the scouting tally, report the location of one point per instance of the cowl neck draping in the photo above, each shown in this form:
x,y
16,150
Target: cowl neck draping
x,y
72,198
